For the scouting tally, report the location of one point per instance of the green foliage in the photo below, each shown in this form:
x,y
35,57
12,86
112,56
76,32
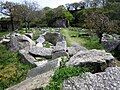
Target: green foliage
x,y
12,71
63,73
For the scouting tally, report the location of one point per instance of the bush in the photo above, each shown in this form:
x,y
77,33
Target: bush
x,y
63,73
12,71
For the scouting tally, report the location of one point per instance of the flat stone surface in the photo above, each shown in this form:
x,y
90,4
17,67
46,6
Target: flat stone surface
x,y
41,51
33,83
47,66
27,58
93,58
108,80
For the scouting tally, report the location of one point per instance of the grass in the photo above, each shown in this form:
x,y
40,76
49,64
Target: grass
x,y
12,71
88,42
63,73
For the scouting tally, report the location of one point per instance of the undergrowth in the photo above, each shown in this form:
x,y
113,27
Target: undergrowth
x,y
12,71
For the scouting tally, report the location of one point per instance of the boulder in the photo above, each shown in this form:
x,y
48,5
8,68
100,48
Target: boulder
x,y
34,83
60,46
54,37
41,39
41,51
108,80
41,63
73,50
30,35
59,54
48,66
27,58
39,44
19,42
5,41
110,46
97,60
111,42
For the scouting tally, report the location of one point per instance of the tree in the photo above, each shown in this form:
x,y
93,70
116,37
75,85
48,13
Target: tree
x,y
9,9
99,23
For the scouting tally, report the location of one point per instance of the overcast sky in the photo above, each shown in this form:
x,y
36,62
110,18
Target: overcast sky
x,y
50,3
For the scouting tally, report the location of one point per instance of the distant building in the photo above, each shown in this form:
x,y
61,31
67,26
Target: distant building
x,y
6,25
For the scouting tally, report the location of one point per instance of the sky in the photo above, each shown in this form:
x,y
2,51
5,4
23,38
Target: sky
x,y
50,3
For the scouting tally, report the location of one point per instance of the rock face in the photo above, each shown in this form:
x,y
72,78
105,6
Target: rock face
x,y
20,42
54,37
34,83
108,80
95,59
41,51
48,66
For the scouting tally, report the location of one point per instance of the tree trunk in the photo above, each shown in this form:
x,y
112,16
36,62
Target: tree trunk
x,y
12,23
26,26
100,37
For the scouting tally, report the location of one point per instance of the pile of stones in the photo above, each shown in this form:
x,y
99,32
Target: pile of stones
x,y
46,60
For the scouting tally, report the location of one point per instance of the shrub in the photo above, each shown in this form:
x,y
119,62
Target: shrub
x,y
12,71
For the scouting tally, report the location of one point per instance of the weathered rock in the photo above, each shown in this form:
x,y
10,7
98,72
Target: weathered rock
x,y
59,54
5,41
98,60
73,50
34,83
41,63
53,37
20,42
27,58
30,35
60,46
111,42
39,44
41,39
42,31
108,80
50,65
110,46
41,51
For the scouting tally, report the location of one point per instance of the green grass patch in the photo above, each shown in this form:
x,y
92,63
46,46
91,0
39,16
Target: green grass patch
x,y
90,42
12,71
63,73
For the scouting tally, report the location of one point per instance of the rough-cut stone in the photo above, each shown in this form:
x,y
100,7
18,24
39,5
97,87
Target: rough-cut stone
x,y
34,83
50,65
59,54
30,35
54,37
41,63
108,80
41,51
110,46
19,42
73,50
5,41
27,58
39,44
60,46
96,59
111,42
41,39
